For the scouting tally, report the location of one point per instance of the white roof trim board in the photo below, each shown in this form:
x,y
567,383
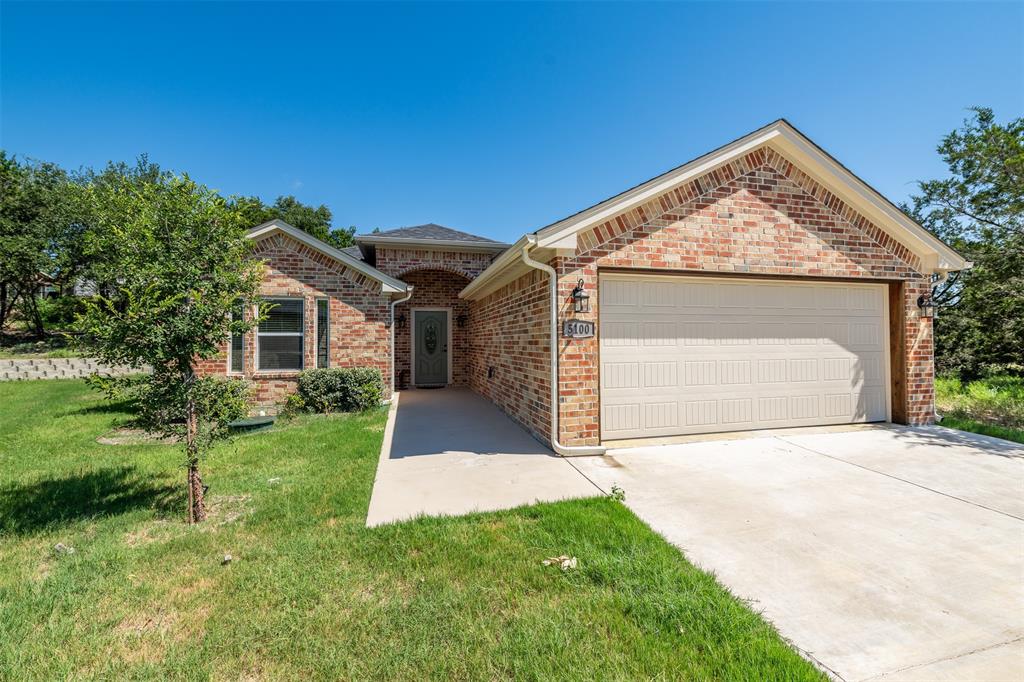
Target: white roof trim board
x,y
388,284
789,142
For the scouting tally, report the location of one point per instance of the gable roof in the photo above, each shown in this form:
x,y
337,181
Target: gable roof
x,y
790,143
431,235
353,251
388,284
428,231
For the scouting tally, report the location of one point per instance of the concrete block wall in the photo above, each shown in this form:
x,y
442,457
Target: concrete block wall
x,y
57,368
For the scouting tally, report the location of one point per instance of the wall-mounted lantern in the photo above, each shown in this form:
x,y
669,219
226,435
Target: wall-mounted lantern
x,y
580,299
460,320
400,321
927,306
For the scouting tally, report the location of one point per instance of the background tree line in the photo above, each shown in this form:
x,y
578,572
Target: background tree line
x,y
46,225
979,211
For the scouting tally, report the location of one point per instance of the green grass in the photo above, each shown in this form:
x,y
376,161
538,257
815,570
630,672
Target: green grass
x,y
993,406
311,593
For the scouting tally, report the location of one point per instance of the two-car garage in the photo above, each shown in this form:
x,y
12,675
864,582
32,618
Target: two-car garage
x,y
702,354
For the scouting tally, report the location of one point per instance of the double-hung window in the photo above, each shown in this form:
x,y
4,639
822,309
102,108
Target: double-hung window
x,y
280,335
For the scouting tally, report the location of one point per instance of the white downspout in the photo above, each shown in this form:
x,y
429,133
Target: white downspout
x,y
563,450
392,326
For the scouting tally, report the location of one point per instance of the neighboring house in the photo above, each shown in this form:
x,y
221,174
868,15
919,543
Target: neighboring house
x,y
761,285
50,287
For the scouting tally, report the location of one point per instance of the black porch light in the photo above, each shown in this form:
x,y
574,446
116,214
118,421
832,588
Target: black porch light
x,y
927,305
460,320
580,299
400,321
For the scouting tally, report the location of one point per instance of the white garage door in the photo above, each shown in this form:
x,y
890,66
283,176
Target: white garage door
x,y
682,355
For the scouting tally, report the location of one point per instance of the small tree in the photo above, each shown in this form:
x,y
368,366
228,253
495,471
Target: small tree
x,y
178,262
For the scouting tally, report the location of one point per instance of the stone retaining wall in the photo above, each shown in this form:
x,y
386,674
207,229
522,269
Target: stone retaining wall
x,y
56,368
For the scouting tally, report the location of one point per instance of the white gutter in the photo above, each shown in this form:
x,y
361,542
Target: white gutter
x,y
531,241
392,325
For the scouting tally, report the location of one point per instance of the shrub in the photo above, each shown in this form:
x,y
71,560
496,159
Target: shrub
x,y
341,389
60,312
996,399
160,406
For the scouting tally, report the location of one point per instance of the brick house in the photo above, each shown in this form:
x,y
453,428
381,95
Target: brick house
x,y
761,285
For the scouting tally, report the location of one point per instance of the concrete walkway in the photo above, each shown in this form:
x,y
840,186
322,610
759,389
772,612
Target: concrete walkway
x,y
884,553
450,451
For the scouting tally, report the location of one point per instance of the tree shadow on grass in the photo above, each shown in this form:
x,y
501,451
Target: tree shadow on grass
x,y
52,503
106,407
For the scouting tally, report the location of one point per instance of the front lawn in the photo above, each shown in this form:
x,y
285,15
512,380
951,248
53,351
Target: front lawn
x,y
309,591
993,406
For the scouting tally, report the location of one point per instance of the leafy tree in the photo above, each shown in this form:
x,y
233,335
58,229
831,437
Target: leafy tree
x,y
37,231
979,210
315,221
176,260
74,262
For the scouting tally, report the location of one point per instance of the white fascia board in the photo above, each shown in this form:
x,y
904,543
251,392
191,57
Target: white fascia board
x,y
549,236
433,244
805,155
389,285
934,254
509,257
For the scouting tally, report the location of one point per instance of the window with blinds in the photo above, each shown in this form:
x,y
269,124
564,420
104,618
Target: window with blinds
x,y
279,339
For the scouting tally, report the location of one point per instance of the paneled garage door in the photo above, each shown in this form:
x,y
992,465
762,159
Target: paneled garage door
x,y
683,355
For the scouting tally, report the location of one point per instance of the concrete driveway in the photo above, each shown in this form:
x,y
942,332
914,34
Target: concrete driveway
x,y
881,552
450,451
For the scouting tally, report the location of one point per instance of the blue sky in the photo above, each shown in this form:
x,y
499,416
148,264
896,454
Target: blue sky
x,y
492,118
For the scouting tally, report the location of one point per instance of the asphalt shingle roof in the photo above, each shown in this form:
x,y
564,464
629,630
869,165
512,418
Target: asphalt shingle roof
x,y
431,231
353,251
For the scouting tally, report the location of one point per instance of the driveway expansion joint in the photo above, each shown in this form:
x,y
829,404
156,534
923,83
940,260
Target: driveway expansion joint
x,y
977,650
896,478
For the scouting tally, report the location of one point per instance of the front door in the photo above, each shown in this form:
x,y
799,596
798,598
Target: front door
x,y
431,347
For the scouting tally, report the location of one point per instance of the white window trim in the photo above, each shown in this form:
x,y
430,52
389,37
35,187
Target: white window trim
x,y
412,342
301,334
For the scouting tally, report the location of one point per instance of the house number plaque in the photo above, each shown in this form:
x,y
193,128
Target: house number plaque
x,y
577,329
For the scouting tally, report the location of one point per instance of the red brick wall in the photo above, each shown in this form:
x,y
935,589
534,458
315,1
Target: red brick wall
x,y
398,262
919,355
359,335
757,215
510,333
434,289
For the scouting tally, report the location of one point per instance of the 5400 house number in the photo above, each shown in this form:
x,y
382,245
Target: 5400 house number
x,y
577,329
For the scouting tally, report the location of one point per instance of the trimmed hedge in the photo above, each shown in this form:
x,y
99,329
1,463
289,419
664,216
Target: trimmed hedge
x,y
340,389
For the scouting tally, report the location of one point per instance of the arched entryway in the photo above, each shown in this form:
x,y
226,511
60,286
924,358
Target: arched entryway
x,y
431,331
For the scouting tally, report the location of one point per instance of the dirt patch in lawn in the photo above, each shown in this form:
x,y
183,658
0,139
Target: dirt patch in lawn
x,y
220,510
126,436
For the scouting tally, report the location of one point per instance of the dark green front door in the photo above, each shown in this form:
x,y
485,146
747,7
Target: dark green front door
x,y
431,331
